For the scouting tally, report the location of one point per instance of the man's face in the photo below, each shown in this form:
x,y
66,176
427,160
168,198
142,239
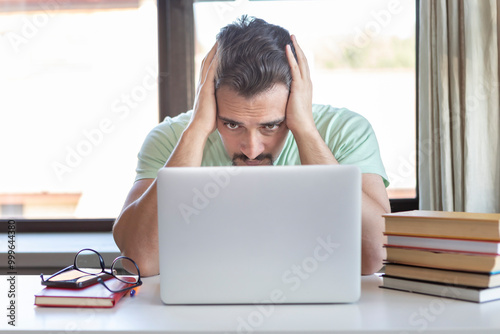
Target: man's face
x,y
253,130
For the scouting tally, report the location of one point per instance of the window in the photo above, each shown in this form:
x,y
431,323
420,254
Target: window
x,y
362,57
79,83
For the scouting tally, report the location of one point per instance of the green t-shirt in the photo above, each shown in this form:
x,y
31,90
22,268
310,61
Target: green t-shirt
x,y
349,136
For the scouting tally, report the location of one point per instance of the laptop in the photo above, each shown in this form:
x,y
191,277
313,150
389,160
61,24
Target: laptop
x,y
259,235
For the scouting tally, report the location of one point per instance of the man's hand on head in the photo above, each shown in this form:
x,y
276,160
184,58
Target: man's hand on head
x,y
299,118
299,108
205,106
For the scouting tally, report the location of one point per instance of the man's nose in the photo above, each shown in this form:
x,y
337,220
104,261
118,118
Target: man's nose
x,y
252,145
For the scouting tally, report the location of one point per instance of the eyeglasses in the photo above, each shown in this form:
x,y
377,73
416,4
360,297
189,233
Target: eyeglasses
x,y
89,261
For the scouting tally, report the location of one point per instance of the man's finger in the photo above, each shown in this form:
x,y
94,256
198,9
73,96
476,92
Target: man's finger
x,y
293,63
206,63
212,67
303,65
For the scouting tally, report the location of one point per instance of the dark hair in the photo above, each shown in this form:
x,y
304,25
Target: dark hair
x,y
251,56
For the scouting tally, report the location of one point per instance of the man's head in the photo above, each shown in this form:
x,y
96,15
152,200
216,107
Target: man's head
x,y
252,85
251,56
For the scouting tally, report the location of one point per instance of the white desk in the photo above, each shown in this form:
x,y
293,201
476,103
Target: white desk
x,y
378,311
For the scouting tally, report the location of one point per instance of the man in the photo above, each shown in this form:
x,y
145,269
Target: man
x,y
254,107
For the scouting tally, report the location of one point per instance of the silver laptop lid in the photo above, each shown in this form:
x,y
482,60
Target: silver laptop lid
x,y
233,235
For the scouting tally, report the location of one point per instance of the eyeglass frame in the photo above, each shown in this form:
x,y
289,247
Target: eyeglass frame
x,y
103,270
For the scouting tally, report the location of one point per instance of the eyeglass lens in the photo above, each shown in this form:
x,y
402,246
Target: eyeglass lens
x,y
125,270
89,262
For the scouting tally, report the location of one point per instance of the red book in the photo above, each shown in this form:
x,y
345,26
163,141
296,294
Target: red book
x,y
94,296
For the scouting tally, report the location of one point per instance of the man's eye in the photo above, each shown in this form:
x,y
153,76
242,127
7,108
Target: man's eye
x,y
272,126
232,126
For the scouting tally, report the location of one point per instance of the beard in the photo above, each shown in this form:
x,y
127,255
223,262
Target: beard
x,y
262,159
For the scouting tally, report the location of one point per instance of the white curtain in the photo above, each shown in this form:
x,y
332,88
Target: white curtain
x,y
459,123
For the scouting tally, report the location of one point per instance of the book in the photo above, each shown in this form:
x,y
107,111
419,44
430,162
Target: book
x,y
459,225
477,295
92,296
433,243
486,263
478,280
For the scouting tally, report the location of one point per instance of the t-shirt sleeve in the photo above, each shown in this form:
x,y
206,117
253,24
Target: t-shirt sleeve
x,y
156,149
353,142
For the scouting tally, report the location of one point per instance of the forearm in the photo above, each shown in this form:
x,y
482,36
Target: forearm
x,y
372,237
136,231
189,149
312,148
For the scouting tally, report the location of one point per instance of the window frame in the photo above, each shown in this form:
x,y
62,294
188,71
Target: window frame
x,y
58,225
176,86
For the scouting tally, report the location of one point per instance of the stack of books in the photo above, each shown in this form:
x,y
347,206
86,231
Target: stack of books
x,y
447,254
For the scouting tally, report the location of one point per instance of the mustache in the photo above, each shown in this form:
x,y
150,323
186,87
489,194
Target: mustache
x,y
260,157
